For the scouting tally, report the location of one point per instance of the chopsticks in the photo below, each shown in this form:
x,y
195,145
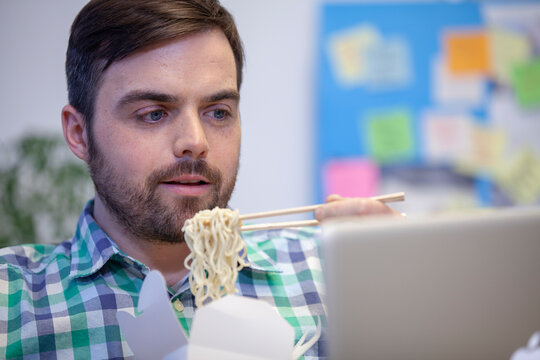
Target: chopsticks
x,y
400,196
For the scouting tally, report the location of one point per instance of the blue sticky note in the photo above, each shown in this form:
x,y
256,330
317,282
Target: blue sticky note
x,y
388,64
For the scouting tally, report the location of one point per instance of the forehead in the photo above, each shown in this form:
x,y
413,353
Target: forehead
x,y
194,62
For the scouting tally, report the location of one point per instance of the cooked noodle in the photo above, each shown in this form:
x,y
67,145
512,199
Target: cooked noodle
x,y
217,253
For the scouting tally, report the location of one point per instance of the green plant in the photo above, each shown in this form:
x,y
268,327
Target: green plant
x,y
43,189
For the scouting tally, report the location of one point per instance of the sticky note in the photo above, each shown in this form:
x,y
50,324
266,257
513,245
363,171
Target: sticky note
x,y
388,64
520,178
527,83
467,90
354,177
508,50
448,137
390,135
346,50
468,52
488,145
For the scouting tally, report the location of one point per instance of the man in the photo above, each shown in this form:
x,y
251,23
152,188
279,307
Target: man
x,y
153,110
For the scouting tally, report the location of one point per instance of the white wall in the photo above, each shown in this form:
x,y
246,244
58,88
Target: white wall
x,y
277,113
33,41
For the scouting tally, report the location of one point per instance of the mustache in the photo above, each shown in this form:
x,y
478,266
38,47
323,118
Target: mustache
x,y
184,167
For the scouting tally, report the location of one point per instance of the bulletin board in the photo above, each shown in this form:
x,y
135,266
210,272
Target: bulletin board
x,y
450,88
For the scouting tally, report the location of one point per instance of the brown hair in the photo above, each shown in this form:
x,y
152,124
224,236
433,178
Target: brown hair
x,y
106,31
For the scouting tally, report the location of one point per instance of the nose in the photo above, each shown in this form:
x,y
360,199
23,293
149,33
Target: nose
x,y
191,138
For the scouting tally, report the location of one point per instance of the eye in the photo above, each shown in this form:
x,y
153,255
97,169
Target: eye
x,y
153,116
220,114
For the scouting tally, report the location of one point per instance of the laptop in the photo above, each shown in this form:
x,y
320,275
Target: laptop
x,y
444,287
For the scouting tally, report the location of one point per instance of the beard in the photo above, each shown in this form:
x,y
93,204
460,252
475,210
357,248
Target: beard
x,y
141,210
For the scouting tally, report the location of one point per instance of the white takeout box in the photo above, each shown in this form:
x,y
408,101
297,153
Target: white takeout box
x,y
233,327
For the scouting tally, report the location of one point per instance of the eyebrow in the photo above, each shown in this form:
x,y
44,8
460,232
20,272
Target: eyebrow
x,y
137,95
223,95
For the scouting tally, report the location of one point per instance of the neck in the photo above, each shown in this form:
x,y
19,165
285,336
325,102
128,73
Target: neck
x,y
165,257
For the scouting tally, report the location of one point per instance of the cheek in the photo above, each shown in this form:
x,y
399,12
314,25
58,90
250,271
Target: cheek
x,y
226,150
126,153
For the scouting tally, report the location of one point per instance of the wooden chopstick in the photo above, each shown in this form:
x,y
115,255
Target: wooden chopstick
x,y
279,225
400,196
302,223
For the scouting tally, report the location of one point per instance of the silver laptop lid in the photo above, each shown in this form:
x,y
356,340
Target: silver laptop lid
x,y
452,287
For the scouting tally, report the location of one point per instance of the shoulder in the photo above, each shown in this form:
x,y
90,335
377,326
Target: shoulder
x,y
32,258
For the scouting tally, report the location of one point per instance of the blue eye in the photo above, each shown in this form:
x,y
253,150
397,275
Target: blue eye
x,y
156,115
220,114
153,116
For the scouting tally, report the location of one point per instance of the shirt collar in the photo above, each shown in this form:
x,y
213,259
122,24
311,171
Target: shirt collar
x,y
92,248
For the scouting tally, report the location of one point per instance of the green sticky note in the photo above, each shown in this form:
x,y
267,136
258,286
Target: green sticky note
x,y
527,83
390,136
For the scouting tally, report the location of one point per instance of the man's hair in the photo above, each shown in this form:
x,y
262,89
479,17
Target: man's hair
x,y
106,31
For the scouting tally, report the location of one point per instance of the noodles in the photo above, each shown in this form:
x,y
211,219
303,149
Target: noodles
x,y
217,253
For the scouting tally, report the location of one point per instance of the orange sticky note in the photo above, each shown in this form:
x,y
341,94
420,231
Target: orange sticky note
x,y
468,52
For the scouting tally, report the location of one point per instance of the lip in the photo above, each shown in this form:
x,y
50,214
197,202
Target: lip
x,y
187,185
188,178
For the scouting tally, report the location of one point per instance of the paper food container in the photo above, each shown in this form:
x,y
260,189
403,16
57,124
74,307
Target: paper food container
x,y
233,327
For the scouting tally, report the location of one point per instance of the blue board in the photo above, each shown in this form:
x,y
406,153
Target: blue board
x,y
344,111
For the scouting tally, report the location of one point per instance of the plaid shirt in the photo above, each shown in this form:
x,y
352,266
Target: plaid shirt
x,y
61,302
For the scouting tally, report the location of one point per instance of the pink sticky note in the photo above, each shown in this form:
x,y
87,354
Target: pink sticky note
x,y
351,178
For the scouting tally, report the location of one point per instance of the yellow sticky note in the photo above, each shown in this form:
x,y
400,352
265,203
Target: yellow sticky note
x,y
487,151
347,53
520,179
489,145
508,50
468,52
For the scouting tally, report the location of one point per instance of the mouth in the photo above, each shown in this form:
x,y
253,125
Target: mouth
x,y
187,185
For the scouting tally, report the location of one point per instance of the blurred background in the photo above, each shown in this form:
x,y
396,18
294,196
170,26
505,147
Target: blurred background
x,y
440,99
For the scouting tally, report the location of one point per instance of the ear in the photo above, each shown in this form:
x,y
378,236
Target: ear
x,y
75,132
